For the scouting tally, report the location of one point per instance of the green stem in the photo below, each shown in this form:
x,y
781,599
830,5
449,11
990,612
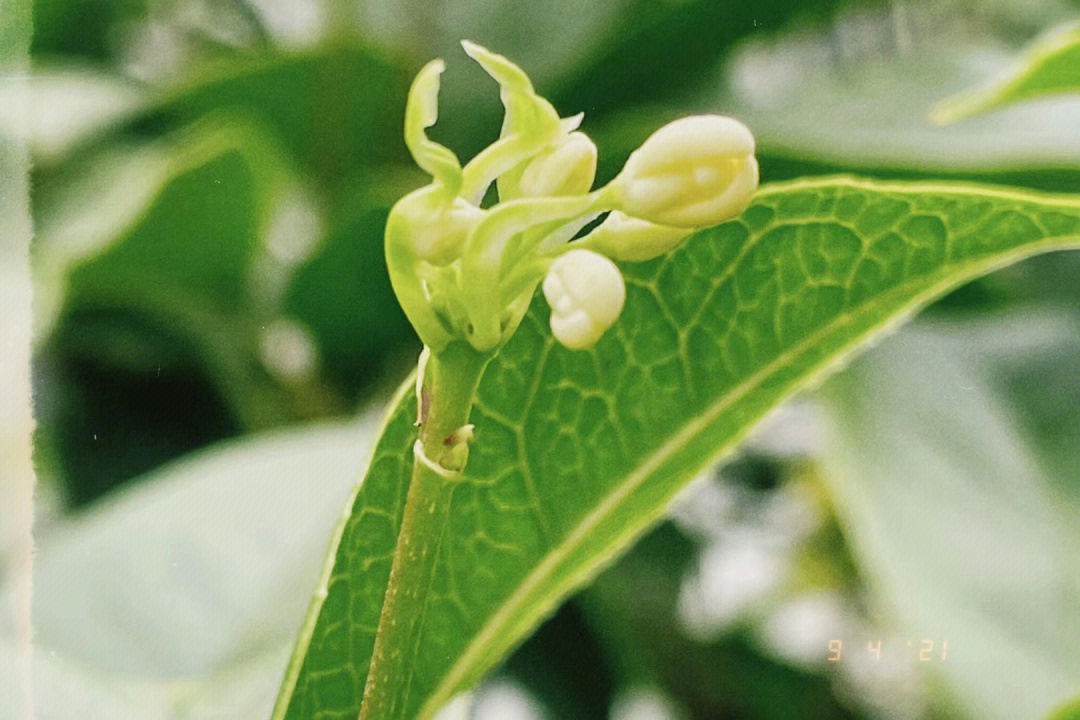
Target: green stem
x,y
448,390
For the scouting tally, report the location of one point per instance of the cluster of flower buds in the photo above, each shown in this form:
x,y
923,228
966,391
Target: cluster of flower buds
x,y
463,271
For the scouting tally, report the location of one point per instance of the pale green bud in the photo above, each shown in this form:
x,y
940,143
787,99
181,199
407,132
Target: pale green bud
x,y
694,172
432,226
567,169
586,294
632,240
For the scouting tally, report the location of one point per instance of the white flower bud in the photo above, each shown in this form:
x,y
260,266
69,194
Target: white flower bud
x,y
694,172
586,294
568,169
632,240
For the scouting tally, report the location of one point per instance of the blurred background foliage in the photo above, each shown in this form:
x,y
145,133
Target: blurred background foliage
x,y
209,187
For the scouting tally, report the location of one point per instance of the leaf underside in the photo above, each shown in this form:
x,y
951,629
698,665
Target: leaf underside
x,y
1050,67
931,471
578,453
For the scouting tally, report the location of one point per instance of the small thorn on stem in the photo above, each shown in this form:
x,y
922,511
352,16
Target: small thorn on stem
x,y
457,444
463,434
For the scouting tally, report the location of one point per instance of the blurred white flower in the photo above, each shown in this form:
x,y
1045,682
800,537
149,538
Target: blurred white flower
x,y
799,631
732,576
288,350
505,700
643,703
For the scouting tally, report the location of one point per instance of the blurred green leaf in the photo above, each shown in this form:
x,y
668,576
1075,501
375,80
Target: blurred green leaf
x,y
857,96
343,294
578,453
168,233
565,666
875,116
1068,711
1050,67
160,273
71,104
329,106
85,28
656,51
1044,397
861,99
179,599
325,106
179,262
959,527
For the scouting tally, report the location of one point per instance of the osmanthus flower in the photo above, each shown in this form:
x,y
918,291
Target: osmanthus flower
x,y
465,272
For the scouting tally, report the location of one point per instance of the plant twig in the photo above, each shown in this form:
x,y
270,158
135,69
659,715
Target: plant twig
x,y
448,388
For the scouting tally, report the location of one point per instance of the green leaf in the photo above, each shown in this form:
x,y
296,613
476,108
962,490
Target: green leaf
x,y
650,51
327,106
1068,711
180,599
342,293
82,27
163,265
859,97
164,239
71,105
961,529
1051,66
578,453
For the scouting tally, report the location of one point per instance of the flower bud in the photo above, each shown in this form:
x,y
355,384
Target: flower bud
x,y
632,240
586,294
694,172
567,169
431,226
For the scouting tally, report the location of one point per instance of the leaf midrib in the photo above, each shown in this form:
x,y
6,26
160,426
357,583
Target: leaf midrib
x,y
502,619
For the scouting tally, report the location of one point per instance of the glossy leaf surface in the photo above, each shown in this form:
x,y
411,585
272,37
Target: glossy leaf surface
x,y
577,453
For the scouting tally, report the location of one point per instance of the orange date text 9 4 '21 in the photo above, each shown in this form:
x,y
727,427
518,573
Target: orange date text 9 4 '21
x,y
928,650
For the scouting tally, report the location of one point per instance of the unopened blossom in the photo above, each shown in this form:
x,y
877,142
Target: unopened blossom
x,y
586,293
694,172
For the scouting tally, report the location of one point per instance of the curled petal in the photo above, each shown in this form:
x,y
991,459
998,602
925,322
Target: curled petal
x,y
530,125
490,254
509,76
421,112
